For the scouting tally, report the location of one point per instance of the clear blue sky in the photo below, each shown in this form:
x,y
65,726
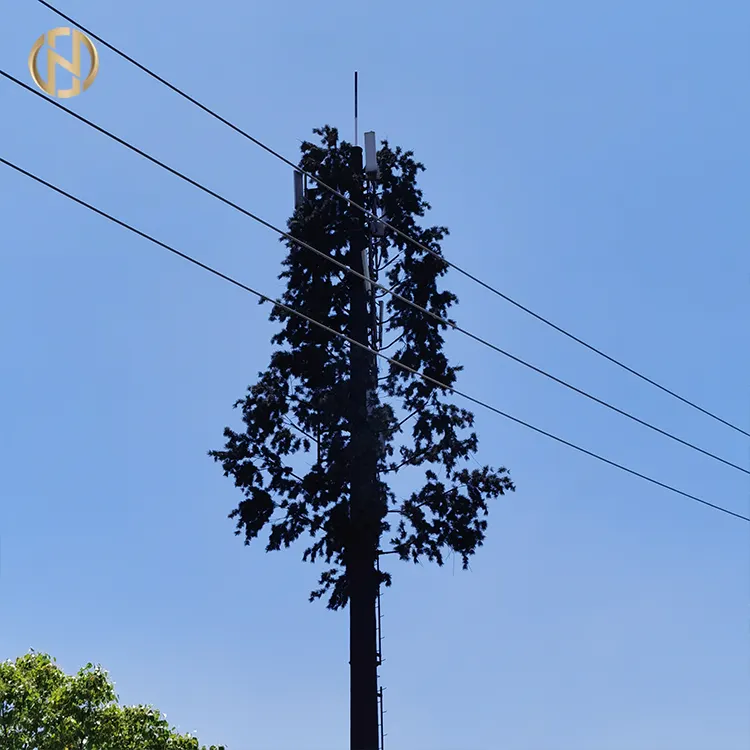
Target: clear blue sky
x,y
591,159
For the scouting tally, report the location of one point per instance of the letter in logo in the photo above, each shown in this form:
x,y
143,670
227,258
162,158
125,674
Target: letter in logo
x,y
54,59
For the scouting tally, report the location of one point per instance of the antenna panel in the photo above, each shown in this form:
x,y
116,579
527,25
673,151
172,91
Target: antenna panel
x,y
371,154
298,191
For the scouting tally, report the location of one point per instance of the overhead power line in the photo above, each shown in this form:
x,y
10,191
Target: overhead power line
x,y
397,296
353,342
376,284
399,232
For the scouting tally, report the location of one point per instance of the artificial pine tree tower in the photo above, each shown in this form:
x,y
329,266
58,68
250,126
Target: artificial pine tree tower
x,y
324,398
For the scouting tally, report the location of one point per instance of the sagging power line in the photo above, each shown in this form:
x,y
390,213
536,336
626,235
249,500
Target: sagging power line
x,y
352,342
390,291
399,232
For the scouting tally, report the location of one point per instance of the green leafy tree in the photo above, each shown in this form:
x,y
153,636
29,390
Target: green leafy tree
x,y
299,405
43,708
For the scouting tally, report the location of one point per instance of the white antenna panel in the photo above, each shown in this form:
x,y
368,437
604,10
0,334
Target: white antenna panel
x,y
371,154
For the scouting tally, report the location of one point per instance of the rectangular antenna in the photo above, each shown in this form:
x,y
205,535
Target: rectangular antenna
x,y
366,269
371,154
298,190
380,324
356,113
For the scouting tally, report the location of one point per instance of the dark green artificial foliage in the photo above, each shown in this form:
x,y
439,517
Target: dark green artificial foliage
x,y
299,406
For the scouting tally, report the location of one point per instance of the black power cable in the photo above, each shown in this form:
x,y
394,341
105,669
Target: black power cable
x,y
333,332
351,271
397,231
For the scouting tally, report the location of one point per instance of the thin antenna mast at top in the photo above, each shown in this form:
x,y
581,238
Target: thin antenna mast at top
x,y
356,113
